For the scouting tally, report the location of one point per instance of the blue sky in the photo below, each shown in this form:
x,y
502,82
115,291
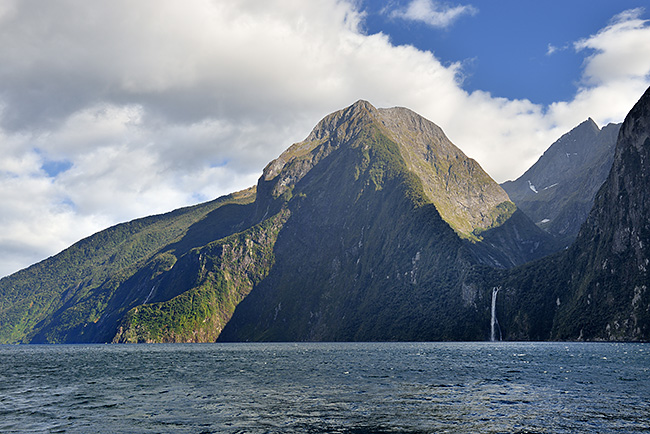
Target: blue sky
x,y
113,109
505,45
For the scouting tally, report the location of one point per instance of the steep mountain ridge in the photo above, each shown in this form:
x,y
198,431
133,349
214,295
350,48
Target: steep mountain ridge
x,y
466,197
557,192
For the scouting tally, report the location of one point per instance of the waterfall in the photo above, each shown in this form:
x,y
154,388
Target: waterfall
x,y
494,323
149,296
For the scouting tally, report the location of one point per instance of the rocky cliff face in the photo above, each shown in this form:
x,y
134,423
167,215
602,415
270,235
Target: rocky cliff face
x,y
557,192
614,245
597,289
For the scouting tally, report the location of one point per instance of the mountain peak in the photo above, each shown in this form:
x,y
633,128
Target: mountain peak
x,y
361,106
338,127
588,124
464,195
557,192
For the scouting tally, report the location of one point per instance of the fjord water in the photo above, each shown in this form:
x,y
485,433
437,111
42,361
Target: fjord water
x,y
350,388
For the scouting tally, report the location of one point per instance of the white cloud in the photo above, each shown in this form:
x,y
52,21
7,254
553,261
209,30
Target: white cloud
x,y
621,50
156,104
615,74
552,49
433,13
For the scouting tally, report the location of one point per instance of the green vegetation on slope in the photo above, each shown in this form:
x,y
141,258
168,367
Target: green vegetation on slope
x,y
226,271
463,193
75,287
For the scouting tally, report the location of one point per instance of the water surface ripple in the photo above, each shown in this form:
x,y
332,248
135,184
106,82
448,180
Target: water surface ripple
x,y
346,388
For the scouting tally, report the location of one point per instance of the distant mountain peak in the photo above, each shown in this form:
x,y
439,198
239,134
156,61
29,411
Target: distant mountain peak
x,y
557,192
362,104
589,121
586,127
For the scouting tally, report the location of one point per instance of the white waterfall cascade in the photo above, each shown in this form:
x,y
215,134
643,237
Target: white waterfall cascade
x,y
149,296
494,324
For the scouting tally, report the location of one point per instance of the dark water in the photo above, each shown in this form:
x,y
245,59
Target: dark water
x,y
326,388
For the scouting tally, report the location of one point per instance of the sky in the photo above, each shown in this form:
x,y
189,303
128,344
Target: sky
x,y
112,110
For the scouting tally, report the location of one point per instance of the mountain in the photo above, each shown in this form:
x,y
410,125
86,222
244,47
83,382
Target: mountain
x,y
366,230
374,250
597,289
72,296
558,191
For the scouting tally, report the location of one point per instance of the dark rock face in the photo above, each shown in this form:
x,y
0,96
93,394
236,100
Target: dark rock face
x,y
614,244
597,289
557,192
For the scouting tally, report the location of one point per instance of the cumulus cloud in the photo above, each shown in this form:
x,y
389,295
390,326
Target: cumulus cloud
x,y
620,50
433,13
114,110
615,72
